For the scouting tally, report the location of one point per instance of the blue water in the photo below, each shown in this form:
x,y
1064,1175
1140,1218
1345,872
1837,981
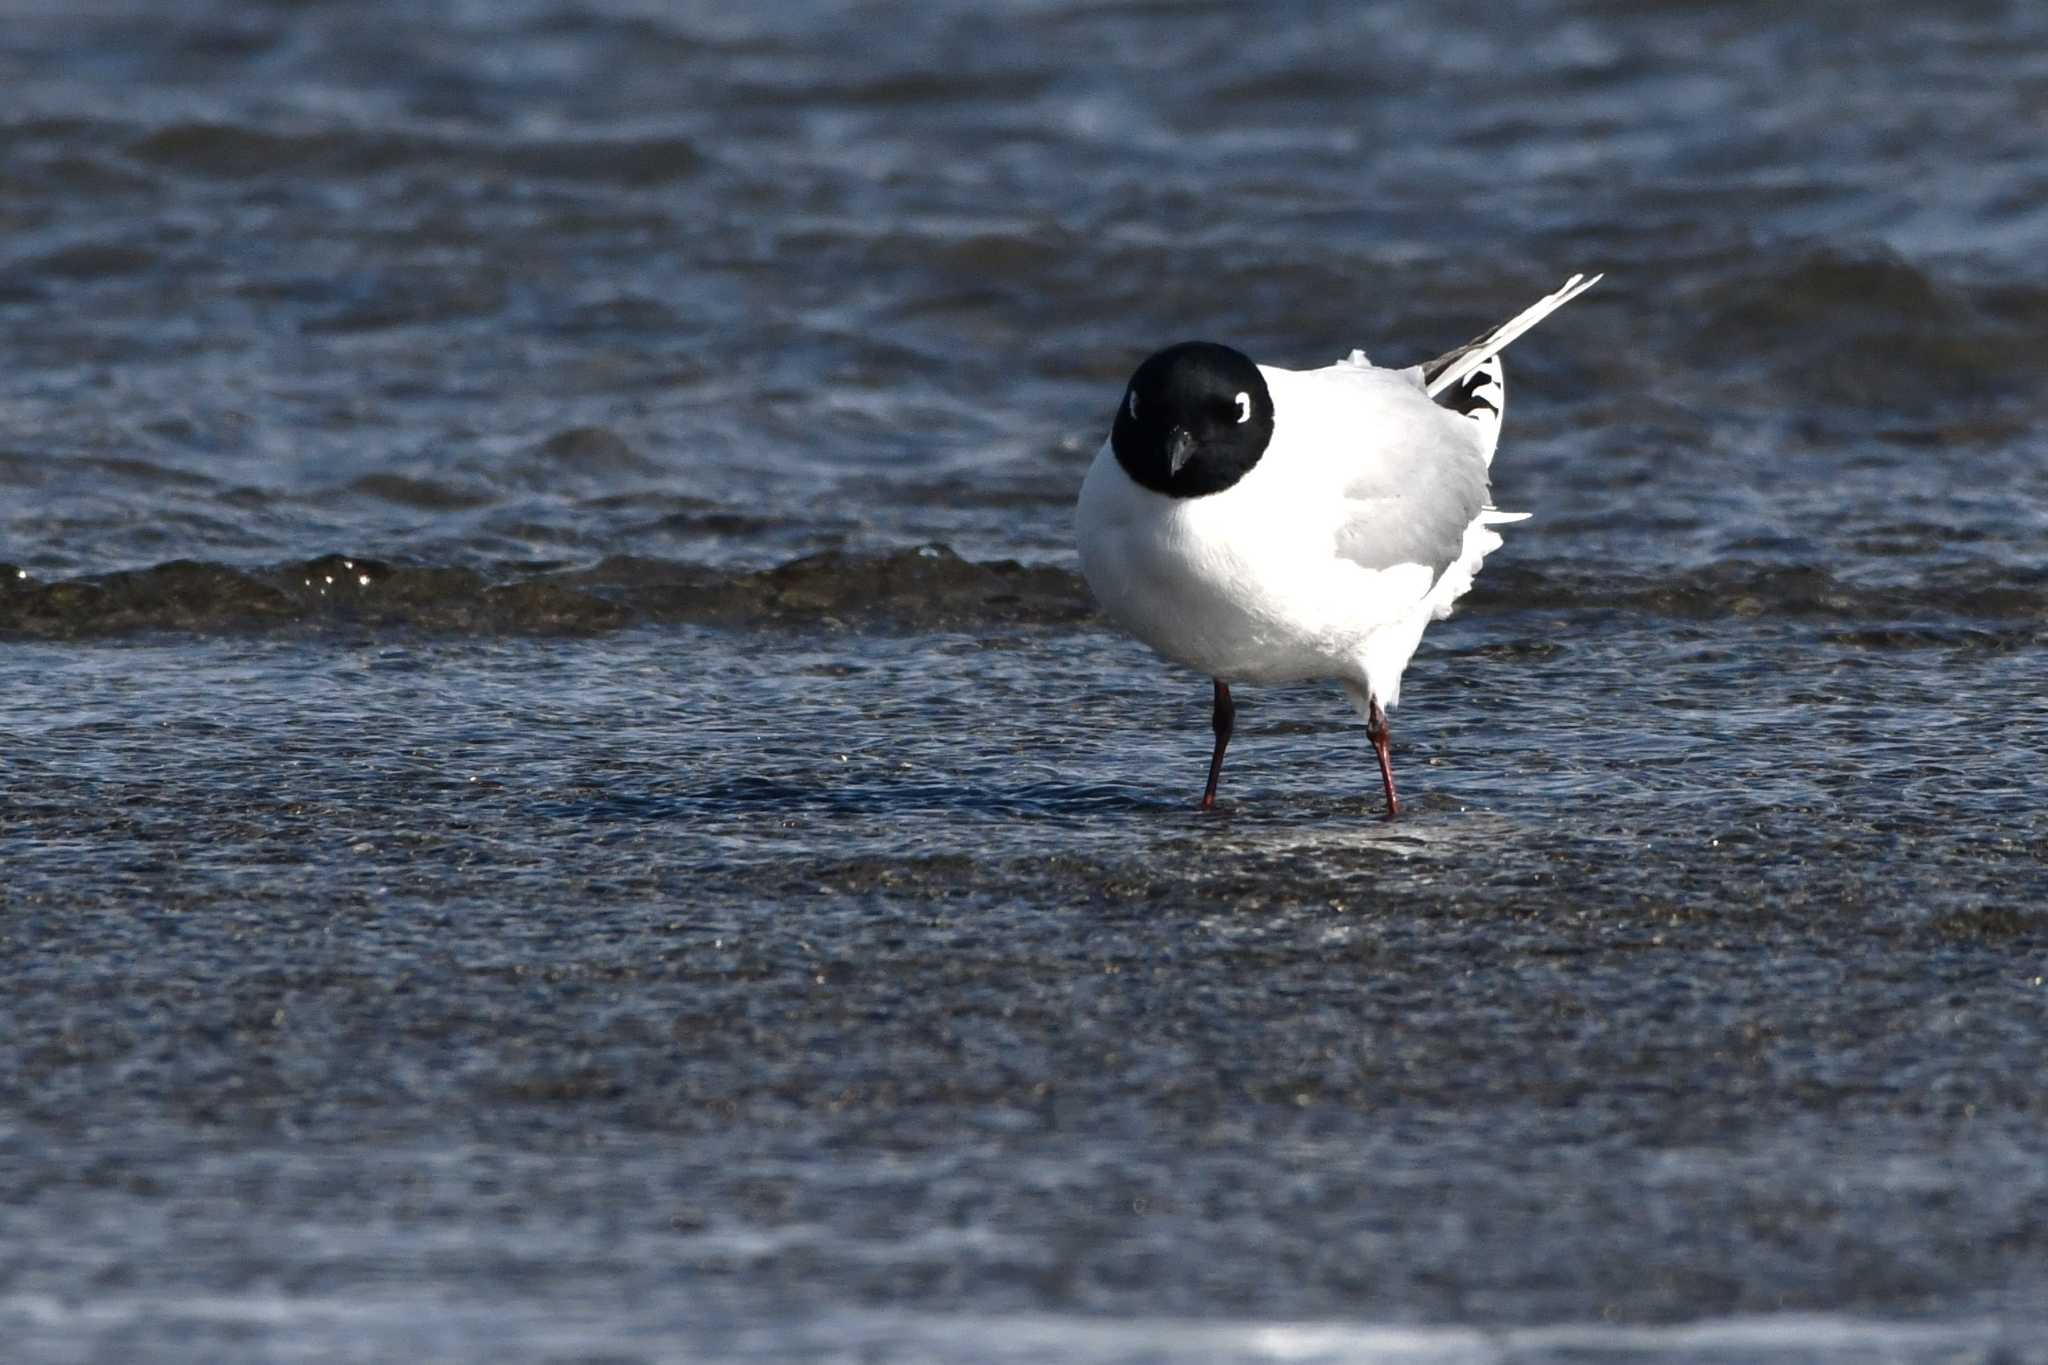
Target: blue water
x,y
699,883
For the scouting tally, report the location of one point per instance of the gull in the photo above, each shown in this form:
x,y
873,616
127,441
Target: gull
x,y
1265,525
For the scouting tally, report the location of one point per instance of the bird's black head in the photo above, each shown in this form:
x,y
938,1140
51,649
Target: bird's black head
x,y
1195,419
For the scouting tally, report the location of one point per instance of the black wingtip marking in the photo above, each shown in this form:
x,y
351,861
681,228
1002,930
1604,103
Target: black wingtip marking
x,y
1473,392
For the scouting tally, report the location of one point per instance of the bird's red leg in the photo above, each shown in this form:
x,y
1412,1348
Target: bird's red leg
x,y
1376,731
1224,717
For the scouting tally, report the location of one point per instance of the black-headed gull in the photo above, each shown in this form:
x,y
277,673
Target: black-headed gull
x,y
1267,525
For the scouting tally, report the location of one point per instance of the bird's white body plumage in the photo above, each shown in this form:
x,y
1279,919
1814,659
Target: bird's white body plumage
x,y
1250,585
1364,520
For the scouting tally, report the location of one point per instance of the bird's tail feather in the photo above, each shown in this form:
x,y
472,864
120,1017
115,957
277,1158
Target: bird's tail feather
x,y
1452,366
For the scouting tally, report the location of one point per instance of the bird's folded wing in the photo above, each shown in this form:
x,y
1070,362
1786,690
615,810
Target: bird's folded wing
x,y
1412,483
1423,526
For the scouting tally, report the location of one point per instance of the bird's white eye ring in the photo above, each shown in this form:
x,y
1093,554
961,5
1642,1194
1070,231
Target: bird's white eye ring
x,y
1244,408
1132,405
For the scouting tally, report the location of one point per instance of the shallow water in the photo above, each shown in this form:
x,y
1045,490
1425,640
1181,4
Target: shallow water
x,y
563,800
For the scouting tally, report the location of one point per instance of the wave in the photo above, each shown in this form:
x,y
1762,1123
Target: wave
x,y
1871,332
926,588
1978,592
124,153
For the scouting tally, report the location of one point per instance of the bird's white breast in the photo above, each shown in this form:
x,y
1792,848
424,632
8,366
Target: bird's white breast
x,y
1244,585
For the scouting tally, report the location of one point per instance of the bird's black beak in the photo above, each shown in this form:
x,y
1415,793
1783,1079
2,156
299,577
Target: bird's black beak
x,y
1179,445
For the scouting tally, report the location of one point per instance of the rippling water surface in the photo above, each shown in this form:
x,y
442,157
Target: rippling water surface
x,y
563,800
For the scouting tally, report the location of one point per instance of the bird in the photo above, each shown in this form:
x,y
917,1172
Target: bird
x,y
1266,525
